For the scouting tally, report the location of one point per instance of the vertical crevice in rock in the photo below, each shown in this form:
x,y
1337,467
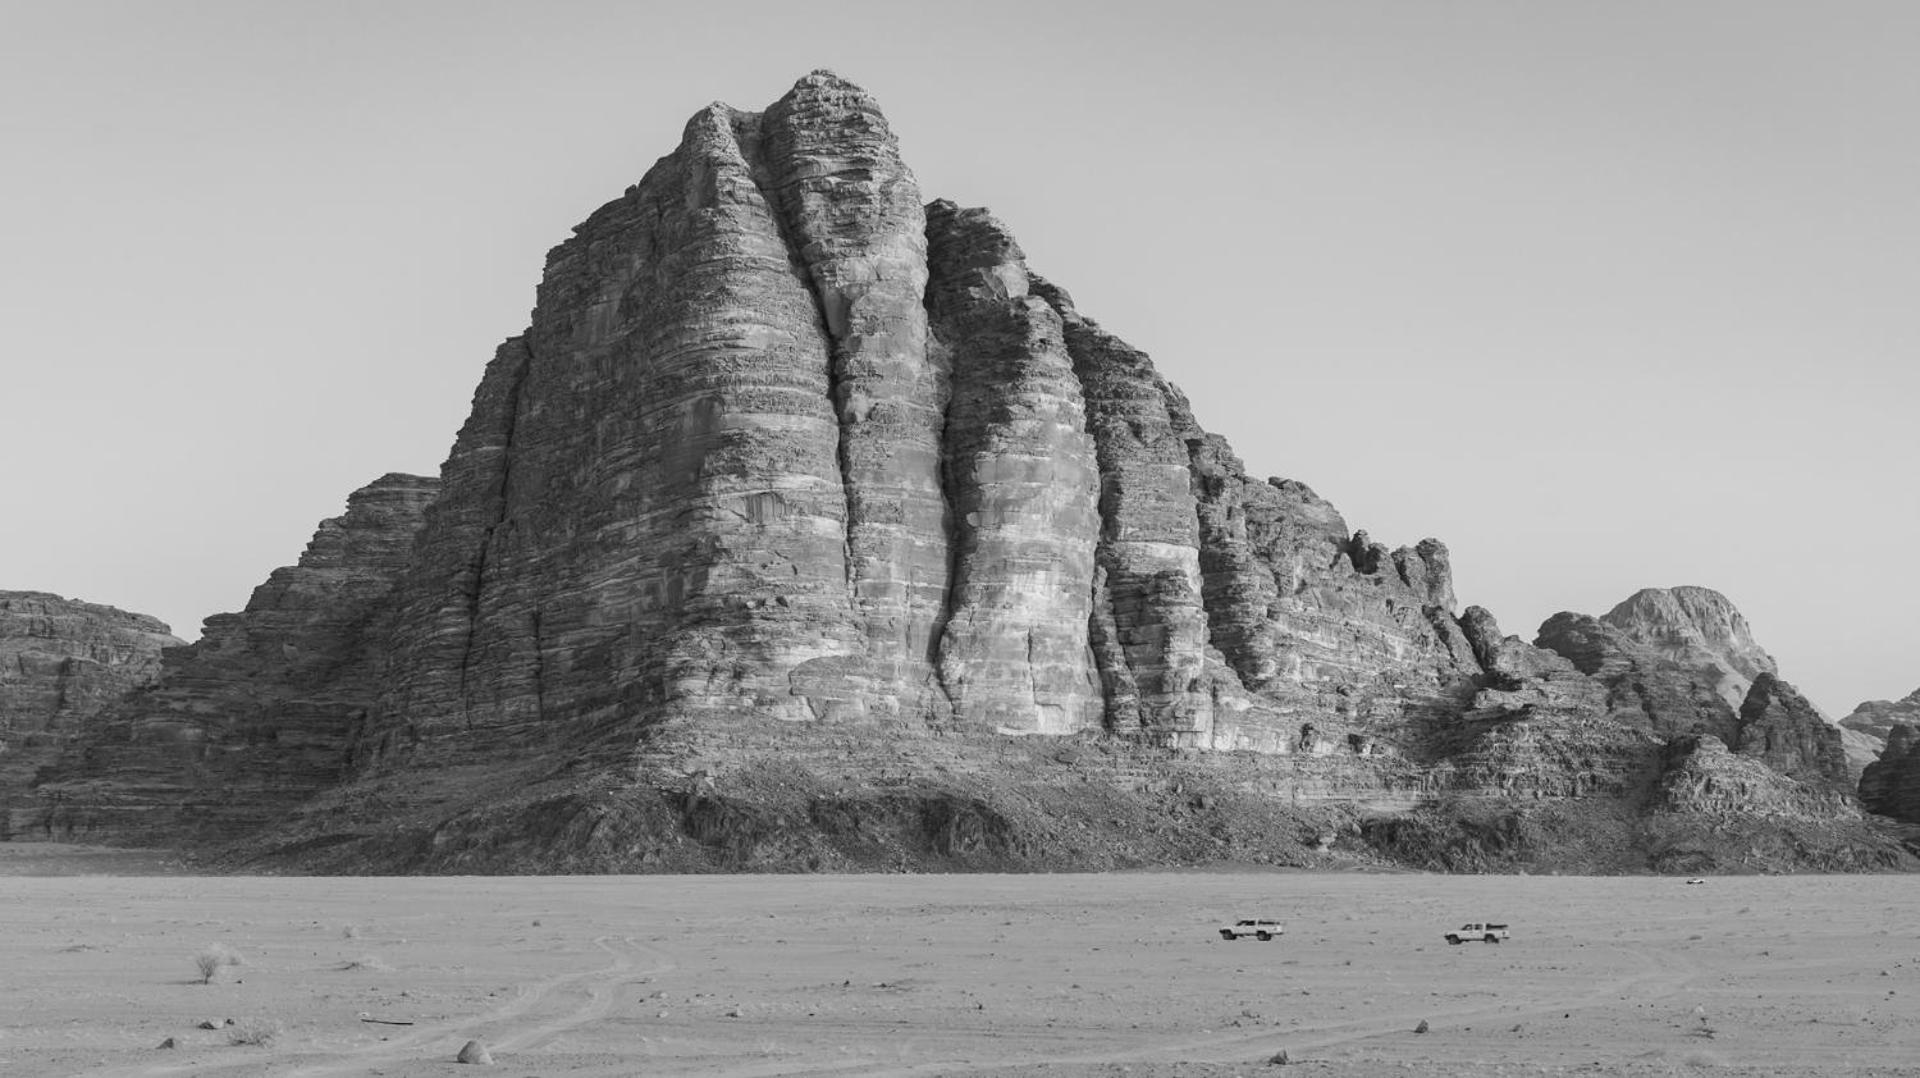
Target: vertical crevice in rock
x,y
853,213
749,135
1149,541
476,582
1022,482
437,602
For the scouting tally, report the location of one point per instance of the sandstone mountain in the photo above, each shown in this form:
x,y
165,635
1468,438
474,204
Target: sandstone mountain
x,y
61,662
806,526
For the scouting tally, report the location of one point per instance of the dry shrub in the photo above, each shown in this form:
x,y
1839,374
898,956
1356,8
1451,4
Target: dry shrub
x,y
213,958
368,962
259,1032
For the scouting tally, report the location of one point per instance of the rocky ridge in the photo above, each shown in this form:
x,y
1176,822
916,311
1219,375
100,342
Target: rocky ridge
x,y
1864,731
61,662
257,715
807,527
1877,718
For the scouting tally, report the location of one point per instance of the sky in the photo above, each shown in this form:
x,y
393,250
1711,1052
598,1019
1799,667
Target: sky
x,y
1606,296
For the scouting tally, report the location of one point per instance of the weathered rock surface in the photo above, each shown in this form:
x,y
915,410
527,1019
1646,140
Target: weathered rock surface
x,y
1696,628
259,713
1890,786
799,499
62,661
1877,718
1864,731
1783,730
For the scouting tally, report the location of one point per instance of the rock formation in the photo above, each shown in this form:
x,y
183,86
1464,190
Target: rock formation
x,y
807,526
1890,785
1674,661
257,715
1877,718
61,662
1865,730
737,471
1695,628
1780,728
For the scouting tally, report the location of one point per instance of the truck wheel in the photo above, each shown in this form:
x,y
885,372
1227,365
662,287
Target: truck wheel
x,y
1263,936
1227,935
1453,941
1491,938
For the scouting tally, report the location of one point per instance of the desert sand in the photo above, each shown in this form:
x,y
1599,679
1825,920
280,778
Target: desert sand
x,y
1065,976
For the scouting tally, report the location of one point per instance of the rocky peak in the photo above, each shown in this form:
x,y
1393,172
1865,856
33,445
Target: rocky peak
x,y
259,712
1695,627
1663,692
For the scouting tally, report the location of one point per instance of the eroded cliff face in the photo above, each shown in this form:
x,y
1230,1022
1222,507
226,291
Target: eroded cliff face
x,y
1890,786
782,445
258,714
63,661
807,526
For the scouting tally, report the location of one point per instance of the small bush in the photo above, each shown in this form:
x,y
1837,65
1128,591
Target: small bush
x,y
258,1032
212,959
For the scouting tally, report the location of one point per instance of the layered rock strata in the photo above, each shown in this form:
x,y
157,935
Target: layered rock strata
x,y
258,714
1700,774
781,444
794,501
62,662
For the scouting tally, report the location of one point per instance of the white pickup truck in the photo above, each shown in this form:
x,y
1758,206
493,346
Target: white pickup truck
x,y
1260,930
1477,930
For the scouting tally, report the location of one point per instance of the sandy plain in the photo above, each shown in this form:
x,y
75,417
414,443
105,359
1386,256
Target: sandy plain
x,y
1067,976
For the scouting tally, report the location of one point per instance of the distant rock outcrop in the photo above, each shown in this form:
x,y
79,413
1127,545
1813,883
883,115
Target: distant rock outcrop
x,y
1877,718
258,714
61,662
806,526
1864,731
1890,786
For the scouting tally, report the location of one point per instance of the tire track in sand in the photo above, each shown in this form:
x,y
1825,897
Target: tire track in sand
x,y
504,1028
1663,973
